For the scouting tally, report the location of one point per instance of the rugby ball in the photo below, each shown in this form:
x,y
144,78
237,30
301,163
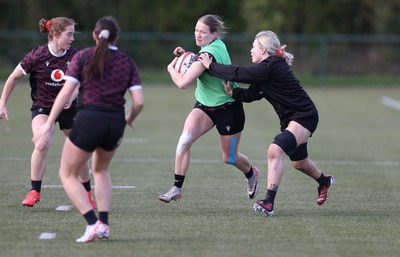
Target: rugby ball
x,y
184,62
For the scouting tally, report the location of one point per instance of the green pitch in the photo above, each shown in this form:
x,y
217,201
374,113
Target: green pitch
x,y
357,141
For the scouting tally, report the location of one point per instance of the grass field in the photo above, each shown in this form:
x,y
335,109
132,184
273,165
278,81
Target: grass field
x,y
357,141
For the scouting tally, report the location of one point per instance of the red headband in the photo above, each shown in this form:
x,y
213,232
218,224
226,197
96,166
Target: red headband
x,y
280,52
48,23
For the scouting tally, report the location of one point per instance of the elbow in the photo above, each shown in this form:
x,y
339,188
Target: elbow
x,y
138,104
137,109
182,85
180,80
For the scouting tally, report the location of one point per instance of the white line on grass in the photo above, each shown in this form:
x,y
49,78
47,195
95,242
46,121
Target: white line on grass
x,y
47,236
390,102
64,208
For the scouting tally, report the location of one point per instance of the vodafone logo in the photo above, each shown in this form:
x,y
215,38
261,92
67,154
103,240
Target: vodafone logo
x,y
57,75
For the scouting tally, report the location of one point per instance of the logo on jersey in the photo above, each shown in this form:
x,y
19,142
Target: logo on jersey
x,y
57,75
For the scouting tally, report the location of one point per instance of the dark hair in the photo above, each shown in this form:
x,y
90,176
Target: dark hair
x,y
107,31
215,23
55,26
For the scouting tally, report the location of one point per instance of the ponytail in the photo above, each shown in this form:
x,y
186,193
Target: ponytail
x,y
270,41
107,32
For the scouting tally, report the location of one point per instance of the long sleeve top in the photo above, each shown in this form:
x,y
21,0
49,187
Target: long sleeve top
x,y
273,80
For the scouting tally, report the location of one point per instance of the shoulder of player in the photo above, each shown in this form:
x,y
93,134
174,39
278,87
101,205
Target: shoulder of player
x,y
123,56
275,59
40,50
271,61
83,52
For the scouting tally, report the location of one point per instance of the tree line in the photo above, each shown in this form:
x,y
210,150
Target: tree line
x,y
248,16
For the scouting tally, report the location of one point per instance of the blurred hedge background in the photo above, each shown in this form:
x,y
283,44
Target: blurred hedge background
x,y
334,41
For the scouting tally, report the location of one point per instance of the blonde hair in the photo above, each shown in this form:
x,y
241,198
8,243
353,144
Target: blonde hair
x,y
270,41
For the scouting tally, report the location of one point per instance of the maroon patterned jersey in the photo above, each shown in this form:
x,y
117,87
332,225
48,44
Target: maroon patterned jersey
x,y
46,71
120,73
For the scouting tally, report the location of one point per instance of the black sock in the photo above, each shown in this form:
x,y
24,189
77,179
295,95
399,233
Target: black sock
x,y
87,185
270,197
36,185
90,217
323,180
250,173
103,217
179,180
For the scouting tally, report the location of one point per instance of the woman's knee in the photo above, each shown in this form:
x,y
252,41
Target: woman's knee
x,y
230,158
300,165
275,152
42,146
230,153
185,141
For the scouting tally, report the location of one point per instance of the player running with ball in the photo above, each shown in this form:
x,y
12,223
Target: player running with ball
x,y
212,108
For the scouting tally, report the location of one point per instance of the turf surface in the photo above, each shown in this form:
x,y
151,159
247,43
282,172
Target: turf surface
x,y
356,141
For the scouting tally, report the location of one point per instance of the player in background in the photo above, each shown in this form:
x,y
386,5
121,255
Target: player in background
x,y
271,78
212,108
46,65
103,74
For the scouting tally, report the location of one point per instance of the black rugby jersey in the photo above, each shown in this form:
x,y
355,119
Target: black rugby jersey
x,y
273,80
46,74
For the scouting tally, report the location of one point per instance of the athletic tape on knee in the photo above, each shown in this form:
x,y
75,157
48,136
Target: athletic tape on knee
x,y
286,140
184,140
232,148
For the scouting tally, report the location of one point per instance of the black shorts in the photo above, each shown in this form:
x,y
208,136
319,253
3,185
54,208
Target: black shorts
x,y
229,118
93,129
309,123
65,119
301,152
